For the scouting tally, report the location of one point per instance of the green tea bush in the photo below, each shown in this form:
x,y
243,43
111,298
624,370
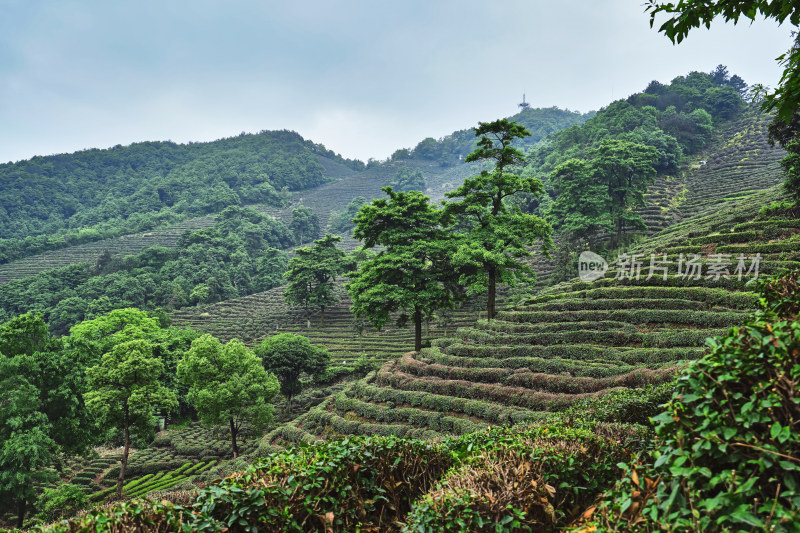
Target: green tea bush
x,y
362,482
535,479
63,500
729,456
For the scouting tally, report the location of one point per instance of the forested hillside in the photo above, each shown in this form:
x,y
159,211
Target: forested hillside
x,y
50,202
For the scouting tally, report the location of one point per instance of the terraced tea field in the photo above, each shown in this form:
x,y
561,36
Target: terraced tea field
x,y
569,342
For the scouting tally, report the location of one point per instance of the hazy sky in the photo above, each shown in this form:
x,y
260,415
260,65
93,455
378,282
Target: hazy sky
x,y
362,77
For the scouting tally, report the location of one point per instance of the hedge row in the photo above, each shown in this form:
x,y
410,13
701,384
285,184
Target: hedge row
x,y
772,223
143,468
433,420
573,367
729,283
735,236
633,316
553,327
707,295
322,419
612,304
788,245
680,337
505,395
491,412
548,339
561,384
579,352
288,433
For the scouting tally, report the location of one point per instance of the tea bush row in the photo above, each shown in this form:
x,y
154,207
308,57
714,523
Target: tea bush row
x,y
535,380
633,316
534,364
491,412
706,295
552,327
502,394
434,420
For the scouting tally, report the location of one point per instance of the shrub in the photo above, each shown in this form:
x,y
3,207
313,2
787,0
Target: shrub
x,y
341,485
730,455
64,500
535,479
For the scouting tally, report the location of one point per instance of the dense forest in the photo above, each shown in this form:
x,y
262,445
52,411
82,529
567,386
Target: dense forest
x,y
241,254
51,202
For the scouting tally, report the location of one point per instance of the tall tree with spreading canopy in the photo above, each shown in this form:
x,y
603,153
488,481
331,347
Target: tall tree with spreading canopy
x,y
626,169
580,208
288,356
311,275
228,385
495,236
410,275
124,392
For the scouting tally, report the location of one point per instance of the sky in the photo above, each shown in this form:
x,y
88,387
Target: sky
x,y
363,77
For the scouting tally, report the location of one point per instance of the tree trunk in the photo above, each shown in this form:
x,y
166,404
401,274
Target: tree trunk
x,y
233,439
125,451
490,299
22,510
417,330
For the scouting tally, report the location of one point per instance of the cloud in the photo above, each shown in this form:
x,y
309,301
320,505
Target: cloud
x,y
362,77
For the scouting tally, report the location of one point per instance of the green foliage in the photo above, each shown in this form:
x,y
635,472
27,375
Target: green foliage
x,y
342,222
304,224
408,180
343,485
26,446
410,277
728,456
787,134
64,500
123,392
288,356
96,194
228,385
533,479
494,237
236,257
311,274
24,334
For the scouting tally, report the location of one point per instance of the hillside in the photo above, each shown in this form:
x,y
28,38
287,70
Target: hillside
x,y
52,202
570,342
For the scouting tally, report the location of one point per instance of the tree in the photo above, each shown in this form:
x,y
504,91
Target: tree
x,y
341,222
689,14
26,445
288,356
228,384
581,209
304,224
495,238
626,169
311,274
408,180
124,391
411,274
23,334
